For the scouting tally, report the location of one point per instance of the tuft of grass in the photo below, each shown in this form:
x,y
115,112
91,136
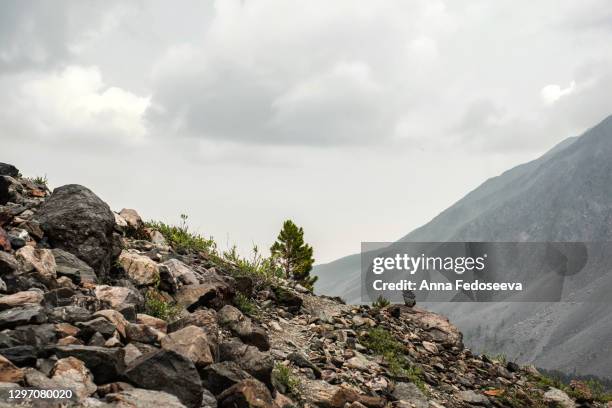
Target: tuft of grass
x,y
500,358
380,302
245,305
157,306
517,399
181,238
284,377
40,180
257,266
382,342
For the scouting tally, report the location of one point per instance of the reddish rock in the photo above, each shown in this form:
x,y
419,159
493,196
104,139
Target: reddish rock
x,y
5,244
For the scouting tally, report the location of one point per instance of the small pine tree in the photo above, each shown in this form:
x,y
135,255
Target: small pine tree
x,y
294,256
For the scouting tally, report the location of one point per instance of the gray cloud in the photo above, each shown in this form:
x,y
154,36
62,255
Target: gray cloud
x,y
215,101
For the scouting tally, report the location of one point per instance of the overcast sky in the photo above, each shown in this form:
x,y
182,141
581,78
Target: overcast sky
x,y
360,120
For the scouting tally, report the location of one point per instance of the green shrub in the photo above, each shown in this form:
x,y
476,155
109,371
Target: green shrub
x,y
157,306
382,342
245,305
181,239
283,376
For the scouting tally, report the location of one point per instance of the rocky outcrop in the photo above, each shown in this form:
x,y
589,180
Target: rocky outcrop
x,y
159,326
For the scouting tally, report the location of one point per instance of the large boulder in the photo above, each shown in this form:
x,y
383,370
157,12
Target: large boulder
x,y
170,372
8,170
78,221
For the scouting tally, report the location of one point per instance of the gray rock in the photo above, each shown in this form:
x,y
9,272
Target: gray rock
x,y
138,397
241,326
69,314
246,394
249,358
8,170
214,292
22,355
472,397
98,325
72,267
19,316
169,372
558,398
300,360
410,393
104,363
220,376
76,220
8,263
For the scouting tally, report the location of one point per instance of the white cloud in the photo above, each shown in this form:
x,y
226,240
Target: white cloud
x,y
552,93
76,101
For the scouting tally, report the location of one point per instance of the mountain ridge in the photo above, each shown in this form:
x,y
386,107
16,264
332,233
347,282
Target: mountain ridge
x,y
564,195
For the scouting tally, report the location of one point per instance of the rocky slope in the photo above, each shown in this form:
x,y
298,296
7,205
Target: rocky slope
x,y
80,285
563,196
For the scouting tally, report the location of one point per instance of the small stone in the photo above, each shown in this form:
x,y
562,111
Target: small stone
x,y
98,325
167,371
410,393
33,297
132,218
559,398
19,316
65,341
71,373
191,342
115,318
118,297
181,272
138,397
9,372
154,322
104,363
8,263
141,269
430,347
472,397
142,333
246,394
40,261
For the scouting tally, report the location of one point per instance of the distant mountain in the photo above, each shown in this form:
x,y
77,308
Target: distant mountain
x,y
565,195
